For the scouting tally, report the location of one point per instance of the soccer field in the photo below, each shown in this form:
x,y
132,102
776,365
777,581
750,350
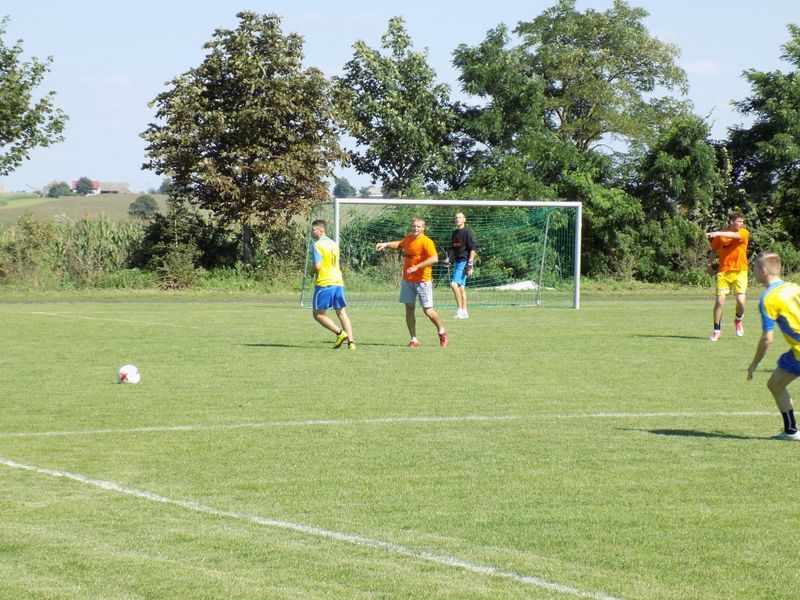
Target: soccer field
x,y
610,452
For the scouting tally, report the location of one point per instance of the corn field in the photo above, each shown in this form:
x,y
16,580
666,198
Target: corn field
x,y
66,252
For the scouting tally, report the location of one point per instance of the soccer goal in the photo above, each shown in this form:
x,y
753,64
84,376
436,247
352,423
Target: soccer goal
x,y
528,253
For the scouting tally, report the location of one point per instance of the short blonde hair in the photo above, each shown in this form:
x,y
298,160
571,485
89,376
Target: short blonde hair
x,y
771,262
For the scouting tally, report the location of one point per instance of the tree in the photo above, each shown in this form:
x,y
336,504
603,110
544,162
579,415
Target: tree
x,y
84,186
766,155
400,118
343,189
25,123
680,174
59,189
597,69
166,186
144,208
249,133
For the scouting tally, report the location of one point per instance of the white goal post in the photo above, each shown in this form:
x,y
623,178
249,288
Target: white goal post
x,y
529,252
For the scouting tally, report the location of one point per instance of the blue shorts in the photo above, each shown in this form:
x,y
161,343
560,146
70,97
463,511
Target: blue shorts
x,y
789,363
459,273
329,296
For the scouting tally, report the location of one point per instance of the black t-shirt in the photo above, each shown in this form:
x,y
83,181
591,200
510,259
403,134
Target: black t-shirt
x,y
462,243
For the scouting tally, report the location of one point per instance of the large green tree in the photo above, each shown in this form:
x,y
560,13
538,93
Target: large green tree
x,y
25,122
248,134
766,155
600,70
400,118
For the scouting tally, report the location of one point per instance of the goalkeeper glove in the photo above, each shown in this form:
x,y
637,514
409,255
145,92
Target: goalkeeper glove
x,y
468,270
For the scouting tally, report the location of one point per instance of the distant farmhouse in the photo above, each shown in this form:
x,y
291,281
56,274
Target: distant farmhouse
x,y
106,187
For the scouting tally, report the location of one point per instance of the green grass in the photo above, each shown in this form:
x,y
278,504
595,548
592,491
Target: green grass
x,y
611,450
113,206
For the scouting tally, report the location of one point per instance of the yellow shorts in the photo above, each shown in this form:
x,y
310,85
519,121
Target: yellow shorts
x,y
731,282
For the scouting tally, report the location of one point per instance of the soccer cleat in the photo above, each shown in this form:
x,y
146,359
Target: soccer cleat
x,y
351,346
413,344
783,435
739,328
443,339
340,339
715,335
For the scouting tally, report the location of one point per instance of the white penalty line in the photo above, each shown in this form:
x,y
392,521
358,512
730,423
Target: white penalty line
x,y
378,421
375,544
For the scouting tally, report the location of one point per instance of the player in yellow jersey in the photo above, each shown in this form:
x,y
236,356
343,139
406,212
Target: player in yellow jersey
x,y
780,307
329,286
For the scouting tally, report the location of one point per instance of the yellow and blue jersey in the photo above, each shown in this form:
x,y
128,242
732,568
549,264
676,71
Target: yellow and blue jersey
x,y
780,305
326,251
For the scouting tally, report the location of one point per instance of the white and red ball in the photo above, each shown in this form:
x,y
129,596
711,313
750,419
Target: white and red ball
x,y
129,374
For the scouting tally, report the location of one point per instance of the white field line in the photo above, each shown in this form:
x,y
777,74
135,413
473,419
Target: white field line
x,y
375,544
72,316
381,420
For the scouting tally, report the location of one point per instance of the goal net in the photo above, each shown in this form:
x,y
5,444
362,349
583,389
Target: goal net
x,y
528,253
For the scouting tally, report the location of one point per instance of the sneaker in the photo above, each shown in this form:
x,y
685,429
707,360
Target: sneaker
x,y
465,315
715,335
340,339
739,328
413,344
459,314
351,346
788,436
443,339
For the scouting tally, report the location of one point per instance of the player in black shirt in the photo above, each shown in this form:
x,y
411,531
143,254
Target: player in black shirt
x,y
462,253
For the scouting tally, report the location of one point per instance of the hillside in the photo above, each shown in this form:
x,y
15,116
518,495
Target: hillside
x,y
113,206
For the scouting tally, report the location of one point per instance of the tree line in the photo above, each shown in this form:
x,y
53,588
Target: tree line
x,y
579,105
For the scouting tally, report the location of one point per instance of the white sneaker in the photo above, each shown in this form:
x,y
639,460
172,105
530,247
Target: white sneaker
x,y
788,436
459,314
465,315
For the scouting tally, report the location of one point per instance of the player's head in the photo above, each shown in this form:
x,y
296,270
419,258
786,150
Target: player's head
x,y
736,219
767,265
460,219
319,228
417,226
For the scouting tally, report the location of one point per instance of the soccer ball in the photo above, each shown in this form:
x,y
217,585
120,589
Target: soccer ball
x,y
128,374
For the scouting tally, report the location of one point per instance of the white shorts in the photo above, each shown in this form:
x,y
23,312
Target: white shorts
x,y
410,292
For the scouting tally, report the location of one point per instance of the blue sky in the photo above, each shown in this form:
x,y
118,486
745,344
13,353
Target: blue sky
x,y
112,58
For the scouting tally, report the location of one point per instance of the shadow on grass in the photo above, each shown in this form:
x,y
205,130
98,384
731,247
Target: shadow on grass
x,y
316,345
671,337
698,434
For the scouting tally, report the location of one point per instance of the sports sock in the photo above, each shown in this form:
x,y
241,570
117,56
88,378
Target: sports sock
x,y
740,317
789,424
717,326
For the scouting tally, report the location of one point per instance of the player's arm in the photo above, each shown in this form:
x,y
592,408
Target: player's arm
x,y
761,351
392,245
430,261
316,261
733,235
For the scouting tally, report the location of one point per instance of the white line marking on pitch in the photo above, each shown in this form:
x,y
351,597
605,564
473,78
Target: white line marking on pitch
x,y
375,544
71,316
343,422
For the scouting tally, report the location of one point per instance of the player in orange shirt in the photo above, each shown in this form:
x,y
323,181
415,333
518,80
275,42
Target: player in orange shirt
x,y
417,282
731,246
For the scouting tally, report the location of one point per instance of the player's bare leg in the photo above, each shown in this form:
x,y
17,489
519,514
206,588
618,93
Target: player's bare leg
x,y
777,384
341,313
324,320
411,320
437,321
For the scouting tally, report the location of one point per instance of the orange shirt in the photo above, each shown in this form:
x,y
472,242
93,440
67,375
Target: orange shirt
x,y
732,253
417,249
